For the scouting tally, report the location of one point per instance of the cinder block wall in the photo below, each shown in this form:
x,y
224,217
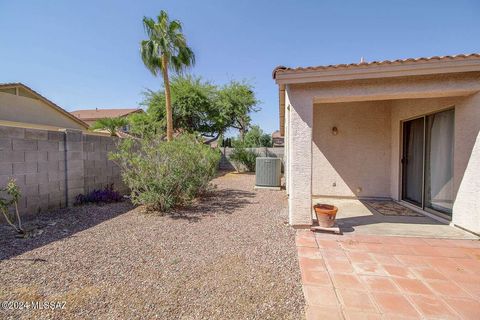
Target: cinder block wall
x,y
226,164
53,167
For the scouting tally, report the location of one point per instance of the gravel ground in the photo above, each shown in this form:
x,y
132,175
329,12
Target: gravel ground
x,y
229,256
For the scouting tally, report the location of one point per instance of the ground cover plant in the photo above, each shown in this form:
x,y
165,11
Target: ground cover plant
x,y
106,195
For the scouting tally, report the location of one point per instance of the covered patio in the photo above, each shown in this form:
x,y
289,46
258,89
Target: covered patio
x,y
405,131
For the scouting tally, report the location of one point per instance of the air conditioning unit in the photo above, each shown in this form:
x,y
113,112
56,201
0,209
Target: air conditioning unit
x,y
268,173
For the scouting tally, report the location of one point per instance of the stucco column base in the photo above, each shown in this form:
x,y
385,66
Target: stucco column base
x,y
300,108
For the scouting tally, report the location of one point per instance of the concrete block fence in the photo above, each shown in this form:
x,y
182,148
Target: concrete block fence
x,y
226,164
53,167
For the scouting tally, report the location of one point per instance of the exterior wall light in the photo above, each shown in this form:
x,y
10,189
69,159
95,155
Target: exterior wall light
x,y
334,131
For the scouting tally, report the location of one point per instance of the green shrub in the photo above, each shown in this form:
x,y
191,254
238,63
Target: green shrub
x,y
162,175
243,159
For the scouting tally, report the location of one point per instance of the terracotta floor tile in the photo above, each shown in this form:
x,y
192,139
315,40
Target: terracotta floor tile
x,y
431,307
379,284
385,259
391,240
428,273
311,264
464,243
472,288
328,244
334,254
470,265
361,315
394,304
412,286
359,257
464,277
338,266
425,250
459,274
369,268
411,261
323,313
467,308
352,245
452,252
474,253
356,300
320,296
316,278
398,249
399,271
368,238
446,288
375,248
305,241
440,262
308,252
305,233
346,281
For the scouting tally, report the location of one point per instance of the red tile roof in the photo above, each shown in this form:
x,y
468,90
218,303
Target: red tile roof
x,y
95,114
280,69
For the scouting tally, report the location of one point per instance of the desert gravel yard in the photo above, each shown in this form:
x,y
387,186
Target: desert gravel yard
x,y
229,256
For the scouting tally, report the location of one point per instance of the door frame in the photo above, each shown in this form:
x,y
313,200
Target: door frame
x,y
429,211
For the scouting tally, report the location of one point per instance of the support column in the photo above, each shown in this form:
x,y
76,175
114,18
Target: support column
x,y
73,165
300,110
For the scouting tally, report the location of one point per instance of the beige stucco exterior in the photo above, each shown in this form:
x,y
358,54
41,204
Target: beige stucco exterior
x,y
31,110
363,158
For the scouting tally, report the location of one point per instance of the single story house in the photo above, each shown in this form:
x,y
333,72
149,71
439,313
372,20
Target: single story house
x,y
90,116
20,106
406,130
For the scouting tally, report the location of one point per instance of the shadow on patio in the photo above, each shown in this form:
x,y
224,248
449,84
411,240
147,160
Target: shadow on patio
x,y
361,218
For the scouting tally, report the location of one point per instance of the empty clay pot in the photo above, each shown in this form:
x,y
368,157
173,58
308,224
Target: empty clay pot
x,y
325,214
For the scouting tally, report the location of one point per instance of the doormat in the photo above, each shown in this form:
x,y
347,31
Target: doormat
x,y
390,208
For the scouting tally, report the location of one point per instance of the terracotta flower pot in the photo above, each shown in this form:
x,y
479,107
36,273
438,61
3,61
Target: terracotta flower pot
x,y
325,214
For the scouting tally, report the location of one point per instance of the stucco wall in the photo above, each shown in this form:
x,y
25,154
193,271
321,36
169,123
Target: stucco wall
x,y
356,161
466,208
299,155
28,110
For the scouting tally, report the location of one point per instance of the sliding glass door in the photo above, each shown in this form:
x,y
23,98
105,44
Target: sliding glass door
x,y
427,162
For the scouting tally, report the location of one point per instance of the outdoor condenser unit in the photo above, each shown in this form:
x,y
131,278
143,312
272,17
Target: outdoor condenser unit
x,y
268,173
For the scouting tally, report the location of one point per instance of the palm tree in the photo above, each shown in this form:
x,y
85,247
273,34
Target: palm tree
x,y
166,49
110,124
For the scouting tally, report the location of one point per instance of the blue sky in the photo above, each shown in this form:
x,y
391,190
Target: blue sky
x,y
85,54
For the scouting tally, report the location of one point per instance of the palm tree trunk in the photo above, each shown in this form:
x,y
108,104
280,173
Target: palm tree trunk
x,y
168,101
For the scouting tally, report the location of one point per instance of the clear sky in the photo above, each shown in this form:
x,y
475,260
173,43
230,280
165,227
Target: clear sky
x,y
85,54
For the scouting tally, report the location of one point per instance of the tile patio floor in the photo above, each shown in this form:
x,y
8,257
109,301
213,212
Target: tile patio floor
x,y
357,276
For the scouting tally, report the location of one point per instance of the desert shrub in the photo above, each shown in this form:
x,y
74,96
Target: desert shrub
x,y
162,175
9,197
243,158
106,195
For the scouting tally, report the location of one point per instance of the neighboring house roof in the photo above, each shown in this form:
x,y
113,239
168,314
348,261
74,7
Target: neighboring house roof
x,y
35,94
277,134
458,57
95,114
